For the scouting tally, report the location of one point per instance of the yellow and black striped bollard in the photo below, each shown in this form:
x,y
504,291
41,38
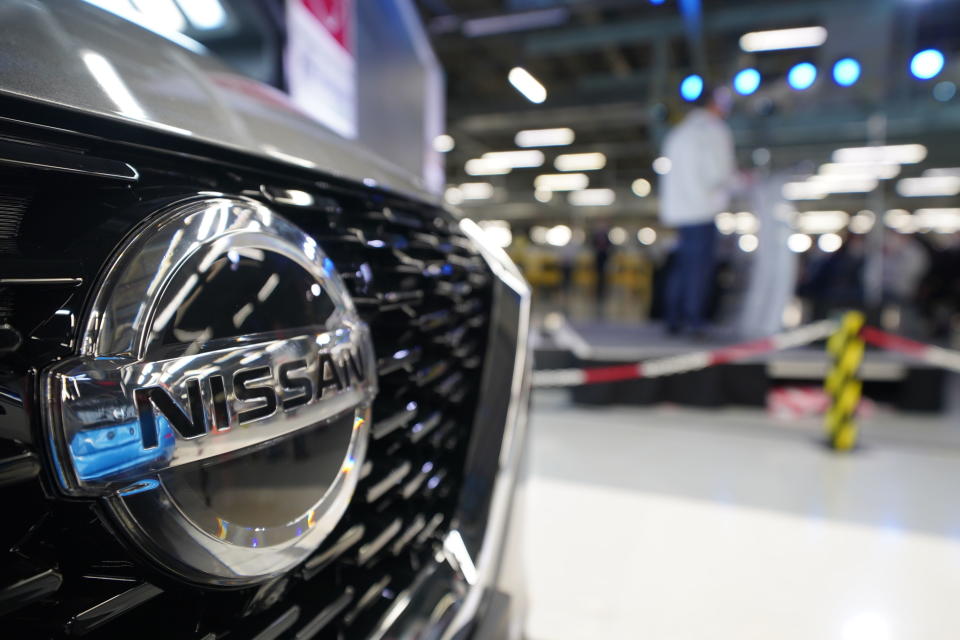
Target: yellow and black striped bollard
x,y
843,384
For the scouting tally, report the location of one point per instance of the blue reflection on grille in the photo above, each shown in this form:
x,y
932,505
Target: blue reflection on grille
x,y
106,451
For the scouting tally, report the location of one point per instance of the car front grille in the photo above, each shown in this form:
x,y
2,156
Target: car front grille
x,y
415,279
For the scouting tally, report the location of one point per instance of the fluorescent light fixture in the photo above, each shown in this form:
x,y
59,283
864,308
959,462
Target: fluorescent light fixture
x,y
929,186
900,220
112,84
802,76
647,235
592,198
843,184
444,143
515,159
662,165
748,243
544,137
942,220
896,153
943,171
512,22
617,235
863,221
543,195
641,187
829,242
485,167
878,170
559,236
453,195
803,191
538,234
476,190
561,181
799,242
580,161
817,222
204,14
798,38
527,85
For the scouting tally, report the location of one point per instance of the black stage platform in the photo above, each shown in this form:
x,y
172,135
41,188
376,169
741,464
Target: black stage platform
x,y
888,377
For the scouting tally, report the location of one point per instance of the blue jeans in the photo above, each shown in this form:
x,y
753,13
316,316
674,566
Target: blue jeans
x,y
691,277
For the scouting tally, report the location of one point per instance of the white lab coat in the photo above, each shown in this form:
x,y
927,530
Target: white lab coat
x,y
702,170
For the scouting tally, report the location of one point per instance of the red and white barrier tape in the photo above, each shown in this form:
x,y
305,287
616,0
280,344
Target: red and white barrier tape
x,y
686,362
928,353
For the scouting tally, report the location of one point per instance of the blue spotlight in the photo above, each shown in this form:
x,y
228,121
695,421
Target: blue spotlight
x,y
926,64
846,72
691,87
802,76
657,1
746,81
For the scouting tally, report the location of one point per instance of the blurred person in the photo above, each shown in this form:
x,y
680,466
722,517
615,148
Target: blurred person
x,y
905,262
773,273
696,188
834,281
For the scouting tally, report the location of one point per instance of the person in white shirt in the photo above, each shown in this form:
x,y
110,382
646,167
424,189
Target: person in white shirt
x,y
696,188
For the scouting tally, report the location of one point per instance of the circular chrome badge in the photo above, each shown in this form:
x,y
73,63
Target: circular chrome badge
x,y
220,404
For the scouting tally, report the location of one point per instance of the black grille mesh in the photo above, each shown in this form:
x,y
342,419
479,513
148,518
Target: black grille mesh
x,y
425,293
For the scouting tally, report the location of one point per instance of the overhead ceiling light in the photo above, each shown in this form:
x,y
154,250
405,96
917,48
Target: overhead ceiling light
x,y
802,76
512,22
725,222
879,170
803,191
453,195
942,220
691,87
515,159
926,64
747,81
592,198
476,190
544,137
943,171
863,221
498,231
900,220
843,184
527,85
846,72
561,181
580,161
647,235
816,222
444,143
928,186
799,242
745,222
542,195
829,242
662,165
748,243
641,187
559,236
896,153
617,235
485,167
798,38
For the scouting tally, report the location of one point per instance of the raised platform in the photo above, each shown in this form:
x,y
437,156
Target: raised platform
x,y
888,377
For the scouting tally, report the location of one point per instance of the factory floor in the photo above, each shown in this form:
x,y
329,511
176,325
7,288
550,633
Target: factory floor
x,y
671,523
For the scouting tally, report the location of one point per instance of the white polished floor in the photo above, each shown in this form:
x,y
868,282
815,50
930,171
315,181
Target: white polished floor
x,y
681,524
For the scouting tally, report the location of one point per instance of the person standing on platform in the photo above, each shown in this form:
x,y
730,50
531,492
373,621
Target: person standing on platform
x,y
697,187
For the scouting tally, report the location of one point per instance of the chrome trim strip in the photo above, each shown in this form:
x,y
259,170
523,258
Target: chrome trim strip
x,y
37,156
16,281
